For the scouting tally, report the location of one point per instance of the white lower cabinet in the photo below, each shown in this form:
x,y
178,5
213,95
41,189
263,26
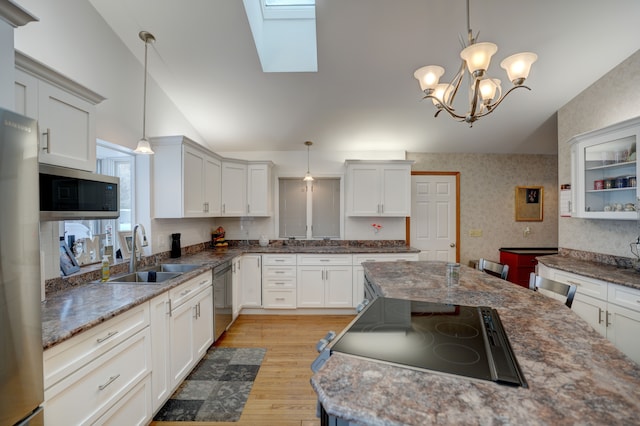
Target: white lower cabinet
x,y
324,281
235,287
279,281
358,270
613,310
191,325
160,346
132,409
251,281
88,378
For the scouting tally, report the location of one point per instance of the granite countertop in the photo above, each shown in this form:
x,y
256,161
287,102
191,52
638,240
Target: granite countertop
x,y
610,273
72,311
575,376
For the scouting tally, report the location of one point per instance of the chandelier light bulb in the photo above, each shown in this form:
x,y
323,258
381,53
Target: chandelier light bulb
x,y
518,66
478,57
488,88
428,77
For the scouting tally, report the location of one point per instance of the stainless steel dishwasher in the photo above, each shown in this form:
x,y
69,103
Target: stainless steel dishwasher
x,y
222,305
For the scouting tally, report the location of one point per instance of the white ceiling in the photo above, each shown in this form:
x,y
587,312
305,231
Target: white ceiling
x,y
364,96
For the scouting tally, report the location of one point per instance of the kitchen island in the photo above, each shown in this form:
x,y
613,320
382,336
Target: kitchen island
x,y
574,375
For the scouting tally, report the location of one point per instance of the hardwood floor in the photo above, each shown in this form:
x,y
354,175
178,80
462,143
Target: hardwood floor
x,y
281,394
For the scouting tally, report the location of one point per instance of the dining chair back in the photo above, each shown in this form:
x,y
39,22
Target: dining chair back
x,y
493,268
565,291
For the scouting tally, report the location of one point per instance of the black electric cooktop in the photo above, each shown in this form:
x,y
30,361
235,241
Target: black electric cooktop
x,y
455,339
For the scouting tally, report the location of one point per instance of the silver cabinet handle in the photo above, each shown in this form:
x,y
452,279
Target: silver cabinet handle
x,y
184,293
203,282
195,311
206,207
608,323
170,309
111,380
248,208
281,299
382,208
599,316
108,336
168,305
224,208
279,272
278,283
48,135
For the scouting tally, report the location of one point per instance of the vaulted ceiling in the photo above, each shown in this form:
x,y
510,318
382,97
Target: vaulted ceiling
x,y
364,96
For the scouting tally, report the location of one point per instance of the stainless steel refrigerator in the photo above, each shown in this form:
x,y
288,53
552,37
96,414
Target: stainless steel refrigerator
x,y
21,381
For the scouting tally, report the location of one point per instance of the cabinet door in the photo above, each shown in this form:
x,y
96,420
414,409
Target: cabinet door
x,y
251,281
212,186
235,288
160,347
338,288
358,285
182,356
26,94
310,288
193,170
234,189
203,322
591,310
258,190
623,329
68,125
363,190
395,199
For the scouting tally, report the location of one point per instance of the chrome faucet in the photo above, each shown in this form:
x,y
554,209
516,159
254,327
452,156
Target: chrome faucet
x,y
133,262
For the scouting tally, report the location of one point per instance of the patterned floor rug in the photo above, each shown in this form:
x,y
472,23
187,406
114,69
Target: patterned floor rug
x,y
217,389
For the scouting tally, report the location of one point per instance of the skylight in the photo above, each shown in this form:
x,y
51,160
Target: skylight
x,y
284,32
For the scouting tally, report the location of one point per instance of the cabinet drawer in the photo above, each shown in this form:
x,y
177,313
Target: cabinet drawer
x,y
186,291
587,286
624,296
67,357
89,392
320,259
133,409
278,271
383,257
278,259
279,299
279,283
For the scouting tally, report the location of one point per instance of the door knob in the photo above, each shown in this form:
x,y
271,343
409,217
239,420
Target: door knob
x,y
452,245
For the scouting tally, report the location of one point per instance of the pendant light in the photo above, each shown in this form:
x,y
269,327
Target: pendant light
x,y
485,92
308,177
143,144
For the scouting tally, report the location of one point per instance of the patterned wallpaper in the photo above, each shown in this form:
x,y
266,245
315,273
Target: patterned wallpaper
x,y
613,98
487,199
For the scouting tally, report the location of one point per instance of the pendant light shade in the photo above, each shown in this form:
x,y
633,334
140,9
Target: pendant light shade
x,y
143,144
307,176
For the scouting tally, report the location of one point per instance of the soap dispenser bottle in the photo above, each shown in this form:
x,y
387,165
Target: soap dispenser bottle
x,y
105,268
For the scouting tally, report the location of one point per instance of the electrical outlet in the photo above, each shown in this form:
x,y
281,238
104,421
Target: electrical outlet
x,y
526,231
475,232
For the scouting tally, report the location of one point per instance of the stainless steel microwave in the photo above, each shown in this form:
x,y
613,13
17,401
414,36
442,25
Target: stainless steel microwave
x,y
76,194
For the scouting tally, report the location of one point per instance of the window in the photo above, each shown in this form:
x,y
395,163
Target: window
x,y
309,211
91,234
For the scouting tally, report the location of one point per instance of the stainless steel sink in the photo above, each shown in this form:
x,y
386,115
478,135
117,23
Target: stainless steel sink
x,y
142,277
178,267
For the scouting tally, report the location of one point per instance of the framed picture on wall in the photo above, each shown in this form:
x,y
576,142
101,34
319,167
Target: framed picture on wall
x,y
529,201
126,244
68,263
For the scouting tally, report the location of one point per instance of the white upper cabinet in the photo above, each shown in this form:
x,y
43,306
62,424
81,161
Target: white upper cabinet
x,y
234,188
604,172
378,188
259,189
246,188
65,112
186,179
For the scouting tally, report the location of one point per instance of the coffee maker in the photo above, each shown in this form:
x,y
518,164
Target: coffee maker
x,y
175,246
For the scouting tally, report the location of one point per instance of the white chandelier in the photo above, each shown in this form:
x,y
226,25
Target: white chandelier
x,y
485,93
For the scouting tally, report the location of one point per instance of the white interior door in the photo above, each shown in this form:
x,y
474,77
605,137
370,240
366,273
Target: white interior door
x,y
433,216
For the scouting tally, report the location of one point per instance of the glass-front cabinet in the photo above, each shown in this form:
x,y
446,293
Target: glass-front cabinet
x,y
604,172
